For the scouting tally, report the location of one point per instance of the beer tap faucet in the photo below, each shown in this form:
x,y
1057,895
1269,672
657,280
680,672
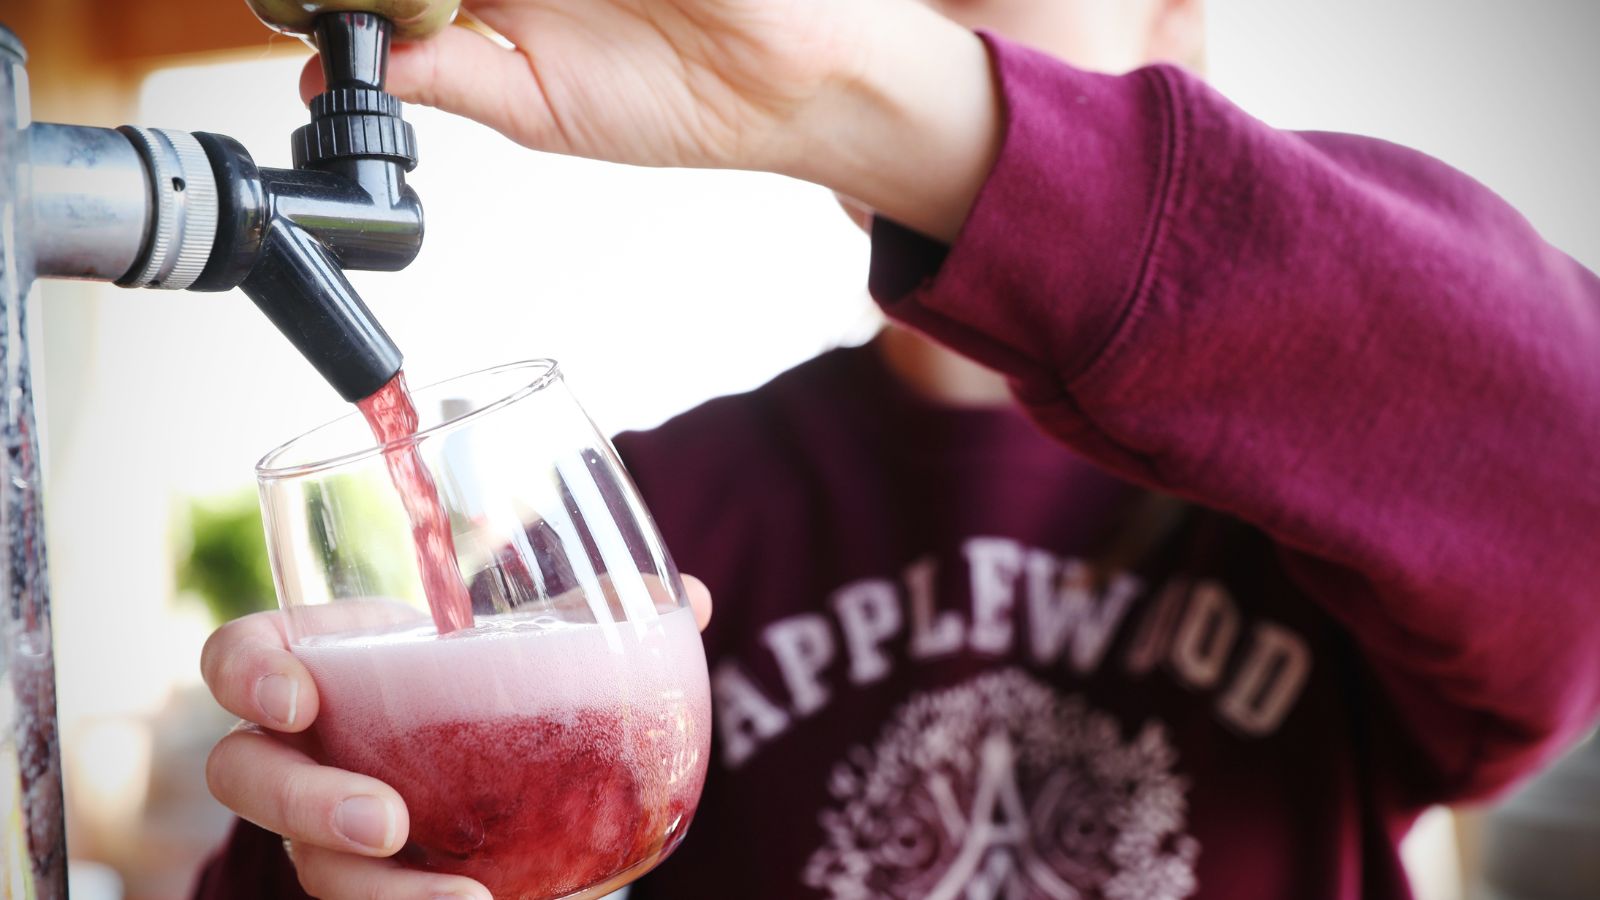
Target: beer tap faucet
x,y
158,208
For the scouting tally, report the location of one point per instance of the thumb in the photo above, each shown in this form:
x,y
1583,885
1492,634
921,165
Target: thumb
x,y
311,80
464,72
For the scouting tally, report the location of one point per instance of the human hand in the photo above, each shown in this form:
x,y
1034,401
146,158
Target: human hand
x,y
339,826
882,100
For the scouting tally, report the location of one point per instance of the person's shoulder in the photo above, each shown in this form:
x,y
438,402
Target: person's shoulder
x,y
742,428
738,456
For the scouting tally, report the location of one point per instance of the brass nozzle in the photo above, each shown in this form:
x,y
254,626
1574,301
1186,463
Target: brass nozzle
x,y
413,19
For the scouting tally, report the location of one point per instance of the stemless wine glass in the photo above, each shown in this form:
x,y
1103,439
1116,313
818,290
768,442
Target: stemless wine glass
x,y
555,748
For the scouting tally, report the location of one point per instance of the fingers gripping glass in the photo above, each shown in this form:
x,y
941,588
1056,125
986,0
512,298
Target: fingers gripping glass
x,y
556,747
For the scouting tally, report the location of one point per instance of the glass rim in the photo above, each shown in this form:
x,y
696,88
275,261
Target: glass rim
x,y
549,371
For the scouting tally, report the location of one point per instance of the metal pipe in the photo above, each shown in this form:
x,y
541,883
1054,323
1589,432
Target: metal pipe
x,y
91,202
137,206
30,762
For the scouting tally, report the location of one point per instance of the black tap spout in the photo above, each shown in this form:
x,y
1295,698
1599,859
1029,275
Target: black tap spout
x,y
372,223
286,236
302,288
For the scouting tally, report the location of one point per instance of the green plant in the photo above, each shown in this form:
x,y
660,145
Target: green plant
x,y
361,531
223,563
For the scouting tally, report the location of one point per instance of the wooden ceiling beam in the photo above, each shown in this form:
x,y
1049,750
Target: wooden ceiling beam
x,y
141,33
123,36
87,57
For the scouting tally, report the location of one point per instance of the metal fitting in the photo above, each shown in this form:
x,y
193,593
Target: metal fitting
x,y
91,201
184,194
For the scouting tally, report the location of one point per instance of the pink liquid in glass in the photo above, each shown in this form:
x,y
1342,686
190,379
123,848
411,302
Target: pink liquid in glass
x,y
545,759
392,418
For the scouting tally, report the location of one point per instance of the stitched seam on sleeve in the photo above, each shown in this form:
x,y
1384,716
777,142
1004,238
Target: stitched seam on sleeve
x,y
1172,178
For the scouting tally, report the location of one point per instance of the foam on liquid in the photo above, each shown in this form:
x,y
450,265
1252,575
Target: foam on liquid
x,y
512,665
540,757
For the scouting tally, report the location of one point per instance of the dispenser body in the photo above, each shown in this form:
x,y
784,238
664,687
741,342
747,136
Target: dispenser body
x,y
33,851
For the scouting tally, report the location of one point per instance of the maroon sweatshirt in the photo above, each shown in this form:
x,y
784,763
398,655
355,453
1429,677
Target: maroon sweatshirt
x,y
1303,534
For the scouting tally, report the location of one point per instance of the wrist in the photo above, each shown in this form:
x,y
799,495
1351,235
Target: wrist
x,y
912,124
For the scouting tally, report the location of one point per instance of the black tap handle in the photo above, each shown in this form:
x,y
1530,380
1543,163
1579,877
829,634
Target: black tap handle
x,y
354,118
354,48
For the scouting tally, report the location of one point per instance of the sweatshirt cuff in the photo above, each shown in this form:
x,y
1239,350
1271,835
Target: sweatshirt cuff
x,y
1058,244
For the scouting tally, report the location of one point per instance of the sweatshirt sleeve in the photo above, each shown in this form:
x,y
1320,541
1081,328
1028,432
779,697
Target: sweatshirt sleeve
x,y
1345,343
250,865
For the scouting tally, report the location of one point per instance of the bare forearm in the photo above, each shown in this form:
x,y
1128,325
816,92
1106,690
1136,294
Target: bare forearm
x,y
914,126
882,100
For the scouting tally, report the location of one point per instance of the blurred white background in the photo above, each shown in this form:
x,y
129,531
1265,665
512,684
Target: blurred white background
x,y
655,290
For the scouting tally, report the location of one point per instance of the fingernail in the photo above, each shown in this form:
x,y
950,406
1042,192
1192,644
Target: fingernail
x,y
279,698
367,821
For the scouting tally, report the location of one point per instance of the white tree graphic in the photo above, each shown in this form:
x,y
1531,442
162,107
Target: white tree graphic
x,y
1002,789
